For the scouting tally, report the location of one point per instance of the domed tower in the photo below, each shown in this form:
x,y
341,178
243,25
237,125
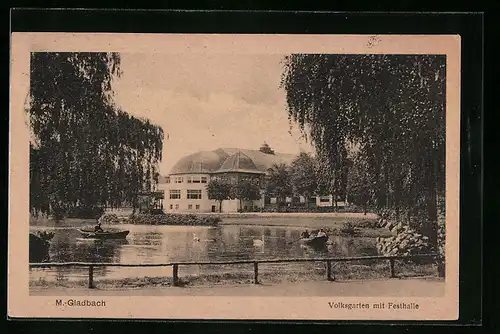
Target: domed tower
x,y
265,148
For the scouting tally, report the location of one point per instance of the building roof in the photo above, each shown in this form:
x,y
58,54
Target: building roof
x,y
238,162
200,162
229,159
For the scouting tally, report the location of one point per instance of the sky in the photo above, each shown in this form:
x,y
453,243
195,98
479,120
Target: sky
x,y
204,102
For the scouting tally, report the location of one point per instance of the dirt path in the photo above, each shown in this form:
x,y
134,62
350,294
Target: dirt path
x,y
385,288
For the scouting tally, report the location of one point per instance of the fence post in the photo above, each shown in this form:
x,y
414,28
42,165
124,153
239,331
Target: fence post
x,y
256,272
91,277
329,271
175,274
393,274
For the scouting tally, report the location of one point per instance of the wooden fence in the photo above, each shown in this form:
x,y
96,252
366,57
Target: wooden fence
x,y
175,265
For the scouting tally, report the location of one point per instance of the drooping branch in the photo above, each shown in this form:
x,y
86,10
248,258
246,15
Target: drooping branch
x,y
85,151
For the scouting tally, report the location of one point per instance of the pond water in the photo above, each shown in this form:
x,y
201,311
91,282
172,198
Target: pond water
x,y
164,244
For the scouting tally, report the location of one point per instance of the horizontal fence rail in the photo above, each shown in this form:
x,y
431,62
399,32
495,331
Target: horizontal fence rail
x,y
175,265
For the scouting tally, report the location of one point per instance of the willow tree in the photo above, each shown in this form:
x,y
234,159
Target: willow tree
x,y
303,176
84,152
391,108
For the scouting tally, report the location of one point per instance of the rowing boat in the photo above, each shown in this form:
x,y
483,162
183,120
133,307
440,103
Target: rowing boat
x,y
104,235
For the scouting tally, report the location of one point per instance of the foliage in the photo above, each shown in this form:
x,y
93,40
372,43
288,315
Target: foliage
x,y
109,218
359,188
246,191
84,212
84,151
348,228
279,183
219,190
391,109
175,219
44,235
39,245
406,241
303,175
332,177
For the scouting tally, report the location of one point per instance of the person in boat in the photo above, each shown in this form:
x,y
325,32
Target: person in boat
x,y
321,233
98,228
305,234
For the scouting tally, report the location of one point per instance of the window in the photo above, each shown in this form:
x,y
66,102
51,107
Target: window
x,y
196,179
175,194
324,199
197,207
178,179
176,206
190,206
194,194
167,180
171,206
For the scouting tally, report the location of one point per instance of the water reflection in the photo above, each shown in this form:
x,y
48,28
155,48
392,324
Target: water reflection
x,y
161,244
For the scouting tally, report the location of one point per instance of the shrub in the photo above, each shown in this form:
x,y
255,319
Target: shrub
x,y
406,242
109,218
348,229
175,219
368,224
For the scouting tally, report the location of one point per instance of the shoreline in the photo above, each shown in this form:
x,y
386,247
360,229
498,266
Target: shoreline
x,y
237,215
346,215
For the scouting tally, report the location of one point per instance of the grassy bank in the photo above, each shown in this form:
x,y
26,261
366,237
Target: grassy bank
x,y
341,272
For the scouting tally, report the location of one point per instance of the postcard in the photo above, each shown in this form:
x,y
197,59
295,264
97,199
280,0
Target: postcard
x,y
256,177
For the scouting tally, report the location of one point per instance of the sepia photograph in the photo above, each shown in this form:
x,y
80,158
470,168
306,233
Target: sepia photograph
x,y
201,169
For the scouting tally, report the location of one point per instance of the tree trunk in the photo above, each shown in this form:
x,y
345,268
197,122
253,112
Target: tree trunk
x,y
220,206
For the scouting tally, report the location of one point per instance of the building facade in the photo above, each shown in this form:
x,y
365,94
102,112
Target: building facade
x,y
185,187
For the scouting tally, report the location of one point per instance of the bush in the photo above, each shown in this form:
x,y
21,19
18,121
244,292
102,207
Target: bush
x,y
175,219
109,218
348,229
406,242
368,224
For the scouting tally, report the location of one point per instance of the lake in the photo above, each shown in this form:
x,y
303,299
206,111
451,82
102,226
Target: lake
x,y
234,240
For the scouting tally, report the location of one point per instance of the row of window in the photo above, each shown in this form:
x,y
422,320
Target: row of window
x,y
191,194
190,207
189,179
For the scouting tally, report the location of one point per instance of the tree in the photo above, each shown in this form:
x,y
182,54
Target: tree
x,y
303,176
279,183
219,190
84,151
246,190
392,108
359,191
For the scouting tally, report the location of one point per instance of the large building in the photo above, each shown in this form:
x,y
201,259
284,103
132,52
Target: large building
x,y
185,187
